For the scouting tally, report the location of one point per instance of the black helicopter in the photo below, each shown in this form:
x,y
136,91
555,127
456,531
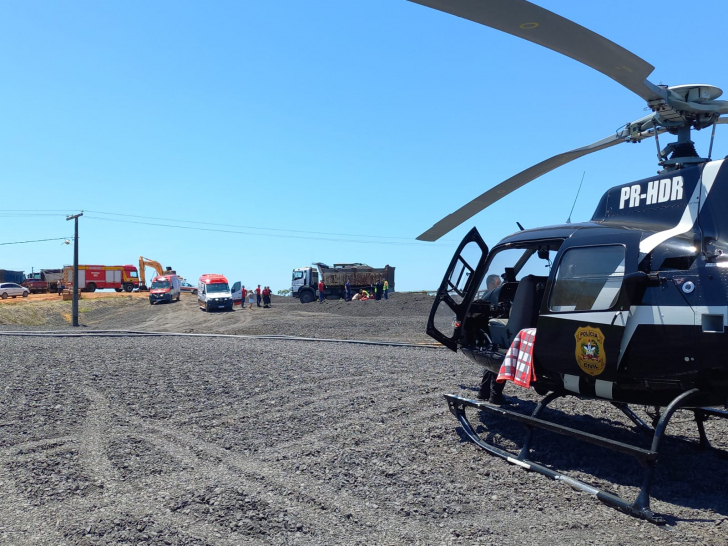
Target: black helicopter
x,y
629,307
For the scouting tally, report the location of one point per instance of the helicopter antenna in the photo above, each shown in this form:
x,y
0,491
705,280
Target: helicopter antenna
x,y
519,226
712,136
568,220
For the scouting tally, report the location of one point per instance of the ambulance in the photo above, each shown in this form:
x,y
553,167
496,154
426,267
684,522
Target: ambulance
x,y
165,288
213,293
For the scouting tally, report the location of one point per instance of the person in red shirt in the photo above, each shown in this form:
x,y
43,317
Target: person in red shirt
x,y
321,291
257,296
244,293
266,297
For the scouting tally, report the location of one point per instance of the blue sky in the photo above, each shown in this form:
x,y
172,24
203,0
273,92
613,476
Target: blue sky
x,y
249,138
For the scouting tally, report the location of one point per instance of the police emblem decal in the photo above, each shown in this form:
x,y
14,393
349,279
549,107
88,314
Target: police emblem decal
x,y
590,355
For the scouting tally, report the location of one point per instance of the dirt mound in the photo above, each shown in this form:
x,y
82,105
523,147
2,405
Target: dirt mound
x,y
402,317
399,304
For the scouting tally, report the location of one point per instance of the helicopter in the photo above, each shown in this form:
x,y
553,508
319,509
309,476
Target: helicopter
x,y
629,307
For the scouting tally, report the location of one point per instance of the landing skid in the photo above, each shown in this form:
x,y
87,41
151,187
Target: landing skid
x,y
647,457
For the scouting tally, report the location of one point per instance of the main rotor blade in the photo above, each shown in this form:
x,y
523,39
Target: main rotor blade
x,y
486,199
540,26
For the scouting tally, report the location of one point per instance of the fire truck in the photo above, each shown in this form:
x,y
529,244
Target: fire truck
x,y
100,277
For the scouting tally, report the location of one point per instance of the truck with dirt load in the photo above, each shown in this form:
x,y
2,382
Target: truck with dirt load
x,y
43,281
100,277
6,275
304,284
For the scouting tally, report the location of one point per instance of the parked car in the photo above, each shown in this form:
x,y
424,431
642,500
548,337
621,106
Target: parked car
x,y
12,289
187,287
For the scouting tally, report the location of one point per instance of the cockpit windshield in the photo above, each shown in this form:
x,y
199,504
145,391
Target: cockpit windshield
x,y
511,264
217,287
160,284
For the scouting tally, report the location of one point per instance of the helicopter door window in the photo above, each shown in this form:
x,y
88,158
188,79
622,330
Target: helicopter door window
x,y
588,279
464,268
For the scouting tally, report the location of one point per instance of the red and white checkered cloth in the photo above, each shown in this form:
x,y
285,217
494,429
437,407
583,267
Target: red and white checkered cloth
x,y
518,364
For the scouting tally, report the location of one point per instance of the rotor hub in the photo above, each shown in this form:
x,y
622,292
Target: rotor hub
x,y
696,92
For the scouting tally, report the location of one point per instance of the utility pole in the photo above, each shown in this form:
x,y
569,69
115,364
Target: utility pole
x,y
75,268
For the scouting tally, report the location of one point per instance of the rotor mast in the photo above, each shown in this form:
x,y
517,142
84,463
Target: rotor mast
x,y
680,110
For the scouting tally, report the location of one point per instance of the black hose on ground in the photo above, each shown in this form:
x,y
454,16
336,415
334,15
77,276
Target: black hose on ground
x,y
133,333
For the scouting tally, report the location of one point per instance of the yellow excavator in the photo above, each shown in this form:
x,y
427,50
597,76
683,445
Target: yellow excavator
x,y
143,264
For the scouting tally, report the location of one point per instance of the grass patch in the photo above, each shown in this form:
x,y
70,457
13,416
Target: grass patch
x,y
25,315
42,312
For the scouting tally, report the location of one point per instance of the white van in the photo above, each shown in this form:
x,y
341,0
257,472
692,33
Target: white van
x,y
213,292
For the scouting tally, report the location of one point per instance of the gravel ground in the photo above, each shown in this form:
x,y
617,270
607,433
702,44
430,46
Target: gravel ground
x,y
178,440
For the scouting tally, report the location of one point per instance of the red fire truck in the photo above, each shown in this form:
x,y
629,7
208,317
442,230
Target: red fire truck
x,y
100,277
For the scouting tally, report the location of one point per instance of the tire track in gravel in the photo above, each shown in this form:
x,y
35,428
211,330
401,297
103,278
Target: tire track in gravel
x,y
134,495
95,428
186,316
390,404
330,504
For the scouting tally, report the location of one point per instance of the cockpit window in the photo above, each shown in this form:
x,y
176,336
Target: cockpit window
x,y
512,264
588,279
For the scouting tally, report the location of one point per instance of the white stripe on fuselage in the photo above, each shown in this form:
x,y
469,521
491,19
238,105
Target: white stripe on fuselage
x,y
690,215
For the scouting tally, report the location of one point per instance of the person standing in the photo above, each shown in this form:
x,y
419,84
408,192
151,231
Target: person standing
x,y
347,290
321,288
251,298
60,287
257,296
266,297
386,289
244,293
378,290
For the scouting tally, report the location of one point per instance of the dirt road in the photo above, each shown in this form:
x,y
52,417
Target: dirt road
x,y
222,441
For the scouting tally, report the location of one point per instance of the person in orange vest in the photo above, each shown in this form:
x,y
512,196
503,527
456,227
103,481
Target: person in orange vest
x,y
321,288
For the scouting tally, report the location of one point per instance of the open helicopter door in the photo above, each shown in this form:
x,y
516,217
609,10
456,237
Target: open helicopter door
x,y
462,278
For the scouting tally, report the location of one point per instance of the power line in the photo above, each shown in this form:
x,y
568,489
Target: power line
x,y
395,243
37,241
248,227
295,234
26,214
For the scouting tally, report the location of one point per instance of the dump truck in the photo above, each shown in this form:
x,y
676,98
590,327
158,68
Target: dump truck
x,y
43,281
304,284
7,275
